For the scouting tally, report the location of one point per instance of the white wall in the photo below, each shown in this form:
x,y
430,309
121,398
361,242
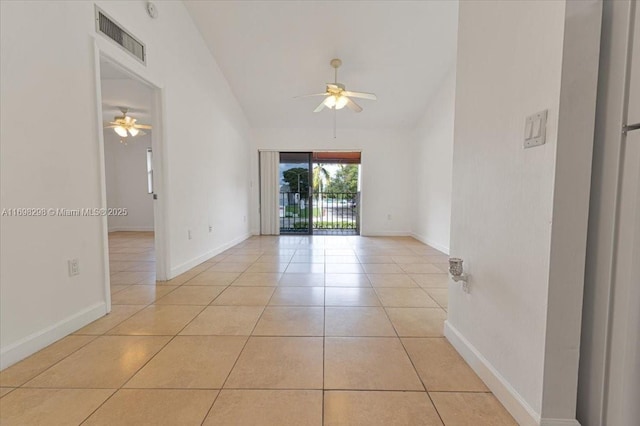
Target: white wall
x,y
433,162
387,186
47,80
519,216
126,173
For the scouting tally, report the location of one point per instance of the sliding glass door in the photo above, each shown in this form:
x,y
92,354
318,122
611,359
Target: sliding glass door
x,y
295,193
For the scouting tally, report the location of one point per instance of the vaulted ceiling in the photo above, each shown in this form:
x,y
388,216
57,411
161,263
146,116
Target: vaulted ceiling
x,y
271,51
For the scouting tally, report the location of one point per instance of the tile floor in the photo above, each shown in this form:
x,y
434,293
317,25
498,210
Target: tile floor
x,y
290,330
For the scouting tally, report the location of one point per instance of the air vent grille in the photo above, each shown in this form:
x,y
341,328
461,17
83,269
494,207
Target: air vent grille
x,y
115,32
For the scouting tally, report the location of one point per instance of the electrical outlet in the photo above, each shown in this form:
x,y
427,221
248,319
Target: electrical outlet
x,y
189,234
210,228
74,267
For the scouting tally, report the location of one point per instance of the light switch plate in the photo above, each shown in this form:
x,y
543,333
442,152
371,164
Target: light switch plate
x,y
535,130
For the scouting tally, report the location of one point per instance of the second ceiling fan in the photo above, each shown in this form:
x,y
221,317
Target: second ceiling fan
x,y
337,96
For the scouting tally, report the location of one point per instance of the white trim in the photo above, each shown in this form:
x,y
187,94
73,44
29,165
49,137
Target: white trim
x,y
431,243
506,394
184,267
105,50
132,228
43,338
559,422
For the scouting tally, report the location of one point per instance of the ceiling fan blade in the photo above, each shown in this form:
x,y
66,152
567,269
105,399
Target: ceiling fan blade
x,y
111,127
320,107
142,126
361,95
353,106
308,96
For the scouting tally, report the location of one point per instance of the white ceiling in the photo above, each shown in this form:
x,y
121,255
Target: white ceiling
x,y
271,51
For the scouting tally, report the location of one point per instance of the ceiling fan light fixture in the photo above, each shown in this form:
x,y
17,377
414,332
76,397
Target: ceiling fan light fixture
x,y
341,102
134,132
121,131
330,101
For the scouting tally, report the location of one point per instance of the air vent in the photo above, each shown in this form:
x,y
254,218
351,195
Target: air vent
x,y
108,27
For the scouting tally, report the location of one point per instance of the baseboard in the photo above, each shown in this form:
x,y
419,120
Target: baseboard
x,y
431,243
506,394
43,338
184,267
559,422
131,229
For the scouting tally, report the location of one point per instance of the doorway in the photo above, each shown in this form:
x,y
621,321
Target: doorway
x,y
130,146
319,193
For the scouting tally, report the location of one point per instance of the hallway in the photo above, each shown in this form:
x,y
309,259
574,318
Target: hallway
x,y
254,336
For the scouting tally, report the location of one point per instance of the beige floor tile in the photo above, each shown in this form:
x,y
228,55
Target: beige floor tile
x,y
274,259
379,409
298,296
421,268
134,407
258,279
305,268
345,268
279,363
4,391
267,267
244,296
391,280
31,407
224,320
351,296
192,362
357,321
382,268
214,278
368,363
116,288
141,294
471,409
158,320
405,298
118,314
440,295
440,367
291,321
431,280
308,259
133,278
191,295
240,258
107,362
230,267
405,260
417,322
140,266
27,369
342,259
347,280
266,408
302,280
375,259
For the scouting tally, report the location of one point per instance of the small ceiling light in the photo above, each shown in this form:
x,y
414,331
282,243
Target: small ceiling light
x,y
121,131
341,102
330,101
134,132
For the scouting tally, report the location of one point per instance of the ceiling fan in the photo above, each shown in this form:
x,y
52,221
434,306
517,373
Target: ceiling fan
x,y
125,125
337,96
